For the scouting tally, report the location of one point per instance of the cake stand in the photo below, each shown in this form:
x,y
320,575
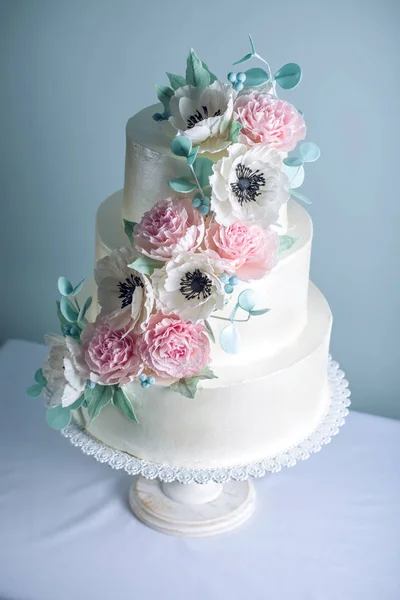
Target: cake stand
x,y
204,502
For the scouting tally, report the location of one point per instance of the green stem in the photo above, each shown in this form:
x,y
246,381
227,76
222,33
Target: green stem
x,y
231,320
197,181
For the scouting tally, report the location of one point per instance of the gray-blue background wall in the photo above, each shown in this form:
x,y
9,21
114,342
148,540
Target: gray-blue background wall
x,y
73,72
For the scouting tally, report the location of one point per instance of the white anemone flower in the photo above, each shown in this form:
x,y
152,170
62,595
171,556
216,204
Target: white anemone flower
x,y
64,371
124,295
204,114
249,185
189,287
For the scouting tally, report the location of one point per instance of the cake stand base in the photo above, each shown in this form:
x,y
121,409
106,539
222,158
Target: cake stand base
x,y
193,509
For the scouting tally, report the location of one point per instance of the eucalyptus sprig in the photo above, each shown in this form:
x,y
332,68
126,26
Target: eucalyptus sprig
x,y
70,314
309,152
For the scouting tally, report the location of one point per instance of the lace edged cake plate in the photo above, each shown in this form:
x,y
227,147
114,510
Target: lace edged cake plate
x,y
116,459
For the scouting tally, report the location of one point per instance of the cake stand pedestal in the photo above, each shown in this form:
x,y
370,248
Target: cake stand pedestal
x,y
202,502
192,509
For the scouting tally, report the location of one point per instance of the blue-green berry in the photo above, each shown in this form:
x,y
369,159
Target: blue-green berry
x,y
74,331
151,380
145,384
196,202
224,278
142,377
206,200
91,384
228,288
158,117
241,77
232,77
238,86
66,329
204,209
233,280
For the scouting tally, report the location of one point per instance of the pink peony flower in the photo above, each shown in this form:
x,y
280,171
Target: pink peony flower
x,y
112,356
172,226
174,348
269,120
248,251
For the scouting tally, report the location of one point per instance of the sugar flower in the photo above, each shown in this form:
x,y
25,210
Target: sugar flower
x,y
172,226
172,347
249,185
66,379
125,296
204,115
188,286
269,120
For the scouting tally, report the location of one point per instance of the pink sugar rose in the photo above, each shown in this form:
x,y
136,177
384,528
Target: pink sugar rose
x,y
172,226
248,251
269,120
112,356
174,348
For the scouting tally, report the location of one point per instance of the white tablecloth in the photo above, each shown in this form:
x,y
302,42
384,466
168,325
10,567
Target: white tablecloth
x,y
327,529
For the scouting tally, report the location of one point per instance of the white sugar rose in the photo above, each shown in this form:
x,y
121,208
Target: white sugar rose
x,y
189,287
64,370
204,115
125,296
249,185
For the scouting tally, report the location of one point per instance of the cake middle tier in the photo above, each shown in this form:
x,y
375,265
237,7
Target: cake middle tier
x,y
284,290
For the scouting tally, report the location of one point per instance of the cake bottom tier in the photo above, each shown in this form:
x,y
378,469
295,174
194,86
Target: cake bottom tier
x,y
279,402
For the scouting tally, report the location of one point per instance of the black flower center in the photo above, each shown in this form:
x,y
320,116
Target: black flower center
x,y
127,289
195,285
248,184
200,116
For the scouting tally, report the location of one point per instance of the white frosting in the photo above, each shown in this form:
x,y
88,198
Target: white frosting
x,y
284,290
277,403
150,164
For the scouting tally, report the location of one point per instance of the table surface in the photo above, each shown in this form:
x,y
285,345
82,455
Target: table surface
x,y
327,529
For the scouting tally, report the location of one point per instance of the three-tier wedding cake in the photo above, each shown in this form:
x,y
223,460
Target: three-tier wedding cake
x,y
206,345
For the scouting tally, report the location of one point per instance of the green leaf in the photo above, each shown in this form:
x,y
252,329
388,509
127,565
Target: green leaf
x,y
85,306
206,373
256,77
192,156
164,94
176,81
299,196
78,403
61,318
34,390
145,265
234,130
128,228
244,59
253,50
196,74
187,386
286,242
58,417
97,398
260,311
64,286
288,76
247,300
209,331
292,161
68,310
122,402
203,169
182,185
309,151
181,145
212,76
78,288
40,378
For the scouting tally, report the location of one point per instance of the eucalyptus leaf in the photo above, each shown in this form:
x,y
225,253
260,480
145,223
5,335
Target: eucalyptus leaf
x,y
244,59
256,77
78,403
68,310
253,50
247,300
128,228
196,74
64,286
78,287
234,130
206,373
122,402
288,76
97,398
292,161
309,151
181,145
299,196
260,311
61,318
58,417
203,169
40,378
213,77
84,308
192,156
145,265
182,185
164,94
34,390
186,387
209,331
229,339
176,81
295,175
286,242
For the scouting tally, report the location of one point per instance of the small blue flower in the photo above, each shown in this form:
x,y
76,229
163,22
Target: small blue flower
x,y
234,280
228,288
224,278
232,77
142,377
196,202
241,77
